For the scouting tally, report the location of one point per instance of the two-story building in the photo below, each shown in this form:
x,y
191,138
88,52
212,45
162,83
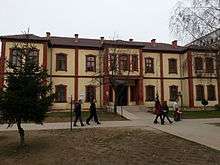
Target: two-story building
x,y
83,67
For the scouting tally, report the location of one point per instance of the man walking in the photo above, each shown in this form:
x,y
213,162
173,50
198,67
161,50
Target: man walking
x,y
165,109
77,110
158,112
92,112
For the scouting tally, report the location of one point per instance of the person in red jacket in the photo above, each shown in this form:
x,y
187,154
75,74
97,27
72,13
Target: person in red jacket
x,y
158,111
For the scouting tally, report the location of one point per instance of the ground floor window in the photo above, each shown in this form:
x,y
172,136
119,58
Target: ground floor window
x,y
211,92
173,92
199,92
90,93
60,93
150,93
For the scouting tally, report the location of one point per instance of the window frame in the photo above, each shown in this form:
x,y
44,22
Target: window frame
x,y
200,92
173,96
211,93
172,66
124,64
209,65
149,65
57,88
58,55
150,97
93,87
134,61
199,66
91,68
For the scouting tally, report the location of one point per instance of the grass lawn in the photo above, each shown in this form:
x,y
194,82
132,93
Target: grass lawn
x,y
65,116
201,114
108,146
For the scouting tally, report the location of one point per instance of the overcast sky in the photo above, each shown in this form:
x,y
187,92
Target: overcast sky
x,y
141,20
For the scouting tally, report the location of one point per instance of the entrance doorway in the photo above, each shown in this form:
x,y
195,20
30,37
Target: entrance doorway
x,y
122,95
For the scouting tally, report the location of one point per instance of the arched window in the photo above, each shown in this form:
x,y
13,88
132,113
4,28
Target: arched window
x,y
90,63
173,92
200,92
150,93
211,92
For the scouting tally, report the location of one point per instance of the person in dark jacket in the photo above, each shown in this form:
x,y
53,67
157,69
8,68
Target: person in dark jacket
x,y
158,112
77,110
92,112
165,109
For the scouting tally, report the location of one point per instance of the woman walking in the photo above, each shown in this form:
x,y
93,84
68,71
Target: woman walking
x,y
158,112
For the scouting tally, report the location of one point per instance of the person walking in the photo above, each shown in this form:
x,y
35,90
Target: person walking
x,y
92,112
77,110
177,112
165,109
158,112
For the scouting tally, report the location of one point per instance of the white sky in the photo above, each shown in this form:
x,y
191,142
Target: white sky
x,y
141,20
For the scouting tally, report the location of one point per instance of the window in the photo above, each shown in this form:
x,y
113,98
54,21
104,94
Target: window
x,y
149,65
209,65
60,93
123,62
61,62
150,93
91,63
211,92
15,55
90,93
33,56
199,92
134,63
172,66
113,61
132,93
173,92
198,64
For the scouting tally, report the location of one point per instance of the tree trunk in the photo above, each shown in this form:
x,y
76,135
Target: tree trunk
x,y
21,132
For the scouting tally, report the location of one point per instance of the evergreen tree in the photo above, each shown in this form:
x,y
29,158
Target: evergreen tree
x,y
27,95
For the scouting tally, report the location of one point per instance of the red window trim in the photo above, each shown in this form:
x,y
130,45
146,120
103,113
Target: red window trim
x,y
174,71
152,62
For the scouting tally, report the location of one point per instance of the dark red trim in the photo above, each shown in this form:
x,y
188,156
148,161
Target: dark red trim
x,y
190,79
2,64
76,73
45,56
161,75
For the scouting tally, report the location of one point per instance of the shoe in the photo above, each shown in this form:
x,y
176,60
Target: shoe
x,y
87,122
82,125
98,123
171,122
75,125
155,122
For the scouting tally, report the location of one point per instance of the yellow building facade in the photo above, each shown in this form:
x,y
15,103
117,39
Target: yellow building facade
x,y
86,68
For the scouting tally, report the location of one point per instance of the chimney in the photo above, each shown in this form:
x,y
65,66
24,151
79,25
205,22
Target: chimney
x,y
174,44
76,37
48,35
131,39
102,40
153,42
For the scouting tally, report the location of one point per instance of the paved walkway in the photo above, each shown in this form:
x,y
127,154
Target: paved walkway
x,y
197,130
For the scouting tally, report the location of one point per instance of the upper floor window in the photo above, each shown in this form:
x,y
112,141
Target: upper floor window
x,y
91,63
15,57
198,64
33,56
173,92
149,65
124,62
61,62
199,92
209,65
60,93
90,93
172,66
134,63
112,61
150,93
211,92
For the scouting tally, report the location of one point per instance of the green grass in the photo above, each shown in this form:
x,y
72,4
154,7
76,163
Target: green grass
x,y
200,114
65,116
